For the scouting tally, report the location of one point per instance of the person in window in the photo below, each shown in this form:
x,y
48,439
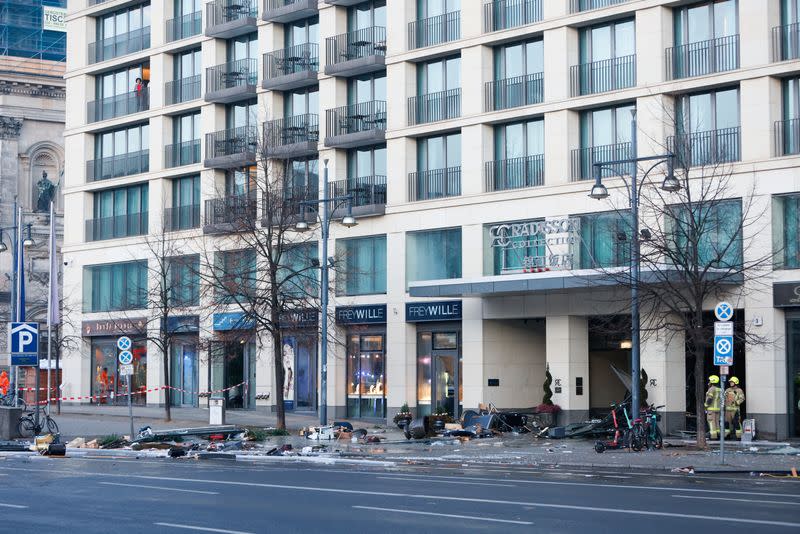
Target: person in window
x,y
138,90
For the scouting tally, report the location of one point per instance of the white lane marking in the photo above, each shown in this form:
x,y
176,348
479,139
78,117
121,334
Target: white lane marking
x,y
160,488
735,500
202,529
450,482
4,505
471,517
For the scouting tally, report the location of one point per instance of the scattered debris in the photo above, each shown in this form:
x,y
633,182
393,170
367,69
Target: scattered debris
x,y
688,470
76,443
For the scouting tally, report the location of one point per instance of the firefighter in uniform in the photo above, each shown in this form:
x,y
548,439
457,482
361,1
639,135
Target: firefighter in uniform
x,y
712,406
734,397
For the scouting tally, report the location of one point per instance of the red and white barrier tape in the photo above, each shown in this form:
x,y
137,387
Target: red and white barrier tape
x,y
138,392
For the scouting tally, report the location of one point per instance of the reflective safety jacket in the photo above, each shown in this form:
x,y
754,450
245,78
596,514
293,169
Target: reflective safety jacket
x,y
712,398
734,397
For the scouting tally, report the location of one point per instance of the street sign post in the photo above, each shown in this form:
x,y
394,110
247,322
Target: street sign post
x,y
125,357
723,311
23,343
723,357
124,343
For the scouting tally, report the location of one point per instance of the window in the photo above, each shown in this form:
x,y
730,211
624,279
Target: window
x,y
366,15
364,162
122,32
240,182
120,82
366,88
301,32
185,212
185,148
706,39
439,168
243,47
707,127
710,231
304,179
518,153
298,275
433,8
115,286
789,128
433,255
183,275
607,58
518,75
440,75
605,136
119,212
510,253
121,152
366,375
364,265
786,231
236,278
242,114
605,240
187,64
301,102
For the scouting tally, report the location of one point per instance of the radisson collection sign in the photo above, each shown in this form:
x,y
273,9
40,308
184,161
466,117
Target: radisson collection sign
x,y
536,246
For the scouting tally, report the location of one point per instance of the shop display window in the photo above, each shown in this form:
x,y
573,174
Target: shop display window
x,y
366,373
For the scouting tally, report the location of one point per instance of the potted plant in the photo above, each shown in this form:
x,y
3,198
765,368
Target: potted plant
x,y
439,418
403,417
546,412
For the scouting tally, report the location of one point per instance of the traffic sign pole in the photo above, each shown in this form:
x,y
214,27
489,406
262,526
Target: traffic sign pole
x,y
125,357
723,379
723,356
130,406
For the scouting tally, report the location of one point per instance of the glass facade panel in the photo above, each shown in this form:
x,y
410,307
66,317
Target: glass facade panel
x,y
237,275
433,255
298,277
786,231
710,231
364,261
115,286
106,380
605,240
183,273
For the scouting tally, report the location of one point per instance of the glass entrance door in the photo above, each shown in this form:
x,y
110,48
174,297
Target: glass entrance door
x,y
184,375
793,362
233,368
445,390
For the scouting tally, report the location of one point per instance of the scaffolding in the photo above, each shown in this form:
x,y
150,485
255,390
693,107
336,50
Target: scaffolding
x,y
22,34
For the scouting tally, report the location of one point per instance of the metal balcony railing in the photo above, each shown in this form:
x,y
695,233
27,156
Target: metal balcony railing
x,y
291,60
181,218
704,57
182,90
224,11
117,166
118,105
514,173
231,209
119,45
362,117
436,183
232,74
127,225
434,30
711,147
603,76
514,92
787,137
786,42
584,158
231,141
434,107
184,26
178,154
355,45
576,6
292,130
365,190
505,14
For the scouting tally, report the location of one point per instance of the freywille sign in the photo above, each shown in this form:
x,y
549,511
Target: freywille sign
x,y
368,314
447,310
535,246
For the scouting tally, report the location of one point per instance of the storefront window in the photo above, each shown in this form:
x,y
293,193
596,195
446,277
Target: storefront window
x,y
439,371
366,374
233,368
106,381
184,372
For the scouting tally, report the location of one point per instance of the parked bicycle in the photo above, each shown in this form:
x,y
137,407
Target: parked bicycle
x,y
626,433
654,439
27,426
8,400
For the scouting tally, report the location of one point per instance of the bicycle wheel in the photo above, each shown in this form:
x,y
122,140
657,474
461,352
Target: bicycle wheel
x,y
655,440
26,427
50,425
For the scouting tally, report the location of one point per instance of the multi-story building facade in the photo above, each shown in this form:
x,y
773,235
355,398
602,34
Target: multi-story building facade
x,y
451,124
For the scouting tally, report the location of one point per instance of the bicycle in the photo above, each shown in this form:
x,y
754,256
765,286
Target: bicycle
x,y
625,436
8,400
653,436
27,427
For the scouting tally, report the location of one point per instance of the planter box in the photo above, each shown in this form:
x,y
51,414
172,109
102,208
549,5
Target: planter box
x,y
545,419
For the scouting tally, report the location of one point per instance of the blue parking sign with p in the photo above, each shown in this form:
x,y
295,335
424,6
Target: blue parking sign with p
x,y
23,338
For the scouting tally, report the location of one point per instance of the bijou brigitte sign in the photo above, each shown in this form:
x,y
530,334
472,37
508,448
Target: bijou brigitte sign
x,y
536,246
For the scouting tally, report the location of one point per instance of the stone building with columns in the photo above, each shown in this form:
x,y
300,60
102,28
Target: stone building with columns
x,y
458,128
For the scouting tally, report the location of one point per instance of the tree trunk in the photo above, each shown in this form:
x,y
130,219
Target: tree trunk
x,y
167,383
699,388
277,354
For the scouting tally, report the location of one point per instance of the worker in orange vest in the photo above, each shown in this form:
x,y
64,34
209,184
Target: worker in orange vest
x,y
4,384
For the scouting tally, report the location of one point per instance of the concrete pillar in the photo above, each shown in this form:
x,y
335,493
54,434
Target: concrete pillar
x,y
476,69
559,126
472,328
561,52
663,357
400,160
567,354
654,34
654,122
404,84
476,147
400,14
756,20
763,96
471,19
552,10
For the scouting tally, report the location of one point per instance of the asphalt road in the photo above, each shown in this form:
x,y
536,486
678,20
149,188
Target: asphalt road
x,y
100,495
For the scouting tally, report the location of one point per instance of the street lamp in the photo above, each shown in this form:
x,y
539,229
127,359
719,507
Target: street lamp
x,y
599,192
321,207
28,242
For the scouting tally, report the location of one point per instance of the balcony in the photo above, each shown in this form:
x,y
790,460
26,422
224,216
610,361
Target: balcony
x,y
230,214
231,18
434,30
179,154
704,57
182,218
357,52
119,45
433,184
514,173
368,195
288,208
118,105
576,6
232,81
356,125
184,26
284,11
504,14
434,107
514,92
292,137
231,148
584,158
128,225
786,42
787,137
291,68
603,76
711,147
118,166
183,90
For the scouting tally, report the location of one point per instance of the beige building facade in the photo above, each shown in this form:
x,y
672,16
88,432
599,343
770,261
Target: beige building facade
x,y
458,128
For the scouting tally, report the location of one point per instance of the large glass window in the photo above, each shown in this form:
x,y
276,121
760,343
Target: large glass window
x,y
363,261
366,375
368,161
301,32
605,136
236,275
122,32
710,230
183,273
607,57
107,382
185,203
366,88
706,39
790,127
121,152
242,114
439,152
605,239
301,102
115,286
509,252
187,64
366,15
786,231
707,127
518,59
120,82
439,75
304,178
298,276
518,156
433,8
186,128
433,255
119,212
243,47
